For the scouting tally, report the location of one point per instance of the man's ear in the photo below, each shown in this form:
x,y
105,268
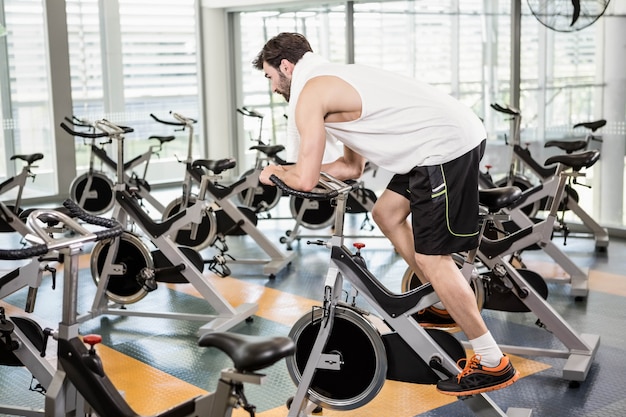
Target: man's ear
x,y
286,67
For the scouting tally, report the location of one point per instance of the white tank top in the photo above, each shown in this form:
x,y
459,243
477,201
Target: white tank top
x,y
404,123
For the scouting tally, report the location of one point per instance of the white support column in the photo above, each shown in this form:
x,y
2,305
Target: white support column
x,y
218,106
614,107
516,35
60,87
490,59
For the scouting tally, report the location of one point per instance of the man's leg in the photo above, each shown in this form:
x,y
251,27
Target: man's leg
x,y
454,291
488,369
391,213
444,207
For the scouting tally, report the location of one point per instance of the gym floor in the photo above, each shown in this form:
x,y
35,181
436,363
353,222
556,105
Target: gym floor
x,y
157,363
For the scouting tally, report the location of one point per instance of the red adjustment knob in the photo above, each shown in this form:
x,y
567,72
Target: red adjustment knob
x,y
488,166
92,339
359,245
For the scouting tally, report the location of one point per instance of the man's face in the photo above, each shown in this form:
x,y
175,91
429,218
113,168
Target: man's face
x,y
280,83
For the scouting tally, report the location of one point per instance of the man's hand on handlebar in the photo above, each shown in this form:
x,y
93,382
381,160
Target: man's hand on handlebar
x,y
267,172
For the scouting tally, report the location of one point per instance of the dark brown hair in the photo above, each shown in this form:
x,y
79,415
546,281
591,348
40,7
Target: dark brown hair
x,y
289,46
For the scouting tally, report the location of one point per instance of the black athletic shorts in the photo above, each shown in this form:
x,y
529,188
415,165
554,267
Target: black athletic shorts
x,y
444,203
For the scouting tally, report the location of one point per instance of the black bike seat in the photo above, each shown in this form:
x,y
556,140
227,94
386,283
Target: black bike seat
x,y
592,125
495,199
250,353
268,150
29,158
163,139
568,146
217,166
576,161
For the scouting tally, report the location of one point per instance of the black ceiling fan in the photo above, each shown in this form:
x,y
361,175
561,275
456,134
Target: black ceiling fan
x,y
567,15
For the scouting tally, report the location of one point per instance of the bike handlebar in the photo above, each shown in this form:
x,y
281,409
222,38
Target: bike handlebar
x,y
506,110
80,236
338,187
78,122
83,134
23,253
593,126
165,122
182,120
112,227
107,129
249,112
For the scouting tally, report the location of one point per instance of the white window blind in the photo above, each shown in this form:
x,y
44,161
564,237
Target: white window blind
x,y
158,48
27,94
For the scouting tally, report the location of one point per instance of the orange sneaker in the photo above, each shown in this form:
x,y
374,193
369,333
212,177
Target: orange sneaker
x,y
476,378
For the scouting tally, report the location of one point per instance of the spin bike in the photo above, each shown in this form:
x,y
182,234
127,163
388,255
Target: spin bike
x,y
125,270
93,190
223,217
22,340
12,215
580,349
80,384
522,157
261,197
342,358
510,289
546,191
196,236
12,219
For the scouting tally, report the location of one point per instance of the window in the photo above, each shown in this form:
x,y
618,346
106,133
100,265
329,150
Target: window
x,y
461,46
143,61
25,99
151,67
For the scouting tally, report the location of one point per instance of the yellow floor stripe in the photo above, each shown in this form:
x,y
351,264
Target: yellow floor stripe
x,y
598,281
607,283
274,305
147,390
547,269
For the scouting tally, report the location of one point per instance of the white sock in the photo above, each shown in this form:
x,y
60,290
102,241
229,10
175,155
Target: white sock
x,y
439,305
486,347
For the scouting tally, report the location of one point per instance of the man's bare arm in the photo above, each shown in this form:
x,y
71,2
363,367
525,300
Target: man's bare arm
x,y
348,167
324,98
